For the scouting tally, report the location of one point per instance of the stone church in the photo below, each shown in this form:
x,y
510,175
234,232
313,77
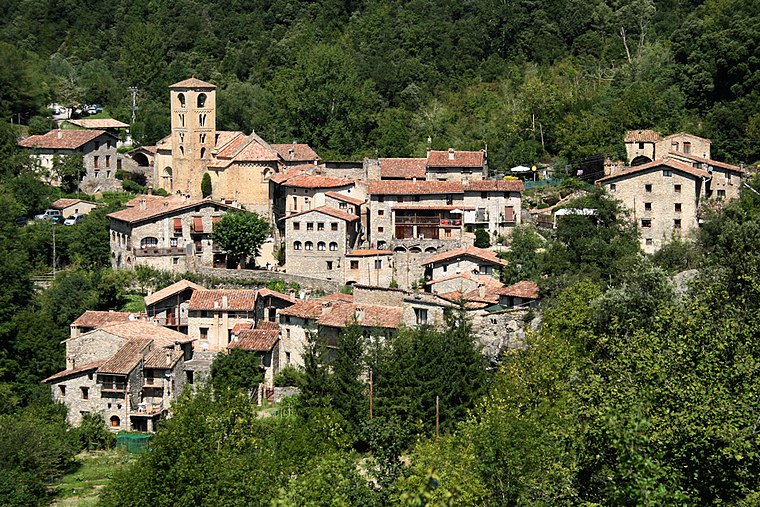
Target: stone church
x,y
239,165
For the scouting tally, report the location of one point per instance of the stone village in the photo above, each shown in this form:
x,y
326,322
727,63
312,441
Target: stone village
x,y
399,231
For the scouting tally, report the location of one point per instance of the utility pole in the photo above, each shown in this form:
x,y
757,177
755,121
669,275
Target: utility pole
x,y
370,393
52,222
133,91
437,417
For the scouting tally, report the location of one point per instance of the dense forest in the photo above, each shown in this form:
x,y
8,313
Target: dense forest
x,y
558,80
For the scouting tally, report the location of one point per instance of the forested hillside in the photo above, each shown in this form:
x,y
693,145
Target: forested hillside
x,y
531,80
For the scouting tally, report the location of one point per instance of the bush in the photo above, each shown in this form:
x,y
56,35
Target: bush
x,y
131,186
206,185
482,238
290,376
93,434
161,192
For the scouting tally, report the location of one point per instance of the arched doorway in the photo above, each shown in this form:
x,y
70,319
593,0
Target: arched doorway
x,y
166,179
640,160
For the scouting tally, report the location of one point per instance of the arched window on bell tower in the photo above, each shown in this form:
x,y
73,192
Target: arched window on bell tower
x,y
181,99
202,100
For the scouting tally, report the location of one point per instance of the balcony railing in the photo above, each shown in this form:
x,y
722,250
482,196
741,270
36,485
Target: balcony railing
x,y
417,220
153,251
145,408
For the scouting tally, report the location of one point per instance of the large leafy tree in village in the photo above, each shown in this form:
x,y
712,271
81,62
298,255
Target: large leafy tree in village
x,y
240,234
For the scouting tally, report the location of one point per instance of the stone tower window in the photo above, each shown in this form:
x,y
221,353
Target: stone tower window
x,y
202,138
181,98
202,100
203,152
202,120
181,120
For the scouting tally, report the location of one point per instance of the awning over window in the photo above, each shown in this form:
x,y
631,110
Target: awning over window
x,y
197,224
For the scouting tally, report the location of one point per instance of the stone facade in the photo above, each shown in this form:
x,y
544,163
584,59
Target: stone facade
x,y
213,314
497,211
369,267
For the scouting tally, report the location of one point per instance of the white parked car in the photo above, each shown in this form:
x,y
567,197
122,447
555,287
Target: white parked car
x,y
74,219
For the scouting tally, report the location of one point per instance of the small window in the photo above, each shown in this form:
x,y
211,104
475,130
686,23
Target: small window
x,y
677,188
334,226
175,260
667,173
202,100
646,222
320,226
647,206
85,393
181,120
321,246
62,390
484,195
202,120
677,207
296,245
173,242
378,264
202,138
641,146
686,147
333,246
421,316
204,333
648,187
329,265
342,205
118,164
380,230
296,226
115,421
108,160
309,226
721,194
181,99
613,188
96,161
354,264
149,242
649,242
308,245
380,212
677,223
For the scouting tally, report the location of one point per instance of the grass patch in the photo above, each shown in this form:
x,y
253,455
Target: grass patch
x,y
81,486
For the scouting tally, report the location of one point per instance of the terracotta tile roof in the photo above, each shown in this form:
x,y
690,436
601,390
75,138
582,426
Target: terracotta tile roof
x,y
240,299
224,137
74,371
291,172
62,139
150,149
345,198
161,336
192,83
404,168
275,294
251,148
403,187
708,161
126,358
494,186
460,159
470,251
267,324
157,358
490,294
171,290
311,181
368,252
338,296
96,319
65,203
525,289
256,340
241,326
296,152
680,134
99,123
307,309
673,164
156,206
444,207
327,210
344,314
642,136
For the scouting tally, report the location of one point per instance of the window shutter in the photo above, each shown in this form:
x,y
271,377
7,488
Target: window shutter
x,y
177,225
198,224
509,214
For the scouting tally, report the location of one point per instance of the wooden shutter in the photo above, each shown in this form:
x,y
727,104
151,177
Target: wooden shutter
x,y
509,214
197,224
177,225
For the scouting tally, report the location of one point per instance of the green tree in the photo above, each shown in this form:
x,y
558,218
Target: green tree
x,y
240,369
524,260
206,185
240,234
347,389
482,238
70,170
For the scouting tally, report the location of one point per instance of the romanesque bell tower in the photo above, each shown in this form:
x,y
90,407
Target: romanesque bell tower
x,y
193,109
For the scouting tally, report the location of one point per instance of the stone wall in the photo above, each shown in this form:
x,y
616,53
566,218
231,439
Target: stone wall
x,y
262,277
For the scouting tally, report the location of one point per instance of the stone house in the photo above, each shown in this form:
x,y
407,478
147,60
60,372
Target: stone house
x,y
644,146
470,260
305,192
98,150
493,205
212,314
264,341
69,207
269,303
318,240
296,154
455,165
94,319
725,179
129,373
167,233
369,267
663,198
169,307
518,294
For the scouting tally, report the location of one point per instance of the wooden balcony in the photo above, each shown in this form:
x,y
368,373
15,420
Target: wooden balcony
x,y
158,252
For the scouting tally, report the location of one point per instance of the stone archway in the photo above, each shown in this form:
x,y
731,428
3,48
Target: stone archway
x,y
166,179
640,160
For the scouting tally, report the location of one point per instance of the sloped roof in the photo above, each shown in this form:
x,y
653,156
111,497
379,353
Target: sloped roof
x,y
237,299
470,251
672,164
345,198
251,148
642,136
404,187
126,358
460,158
192,83
525,289
157,358
96,319
307,309
156,206
74,371
296,152
171,290
327,210
313,181
256,340
344,314
139,330
681,134
494,186
241,326
709,161
65,203
275,294
62,139
99,123
404,168
267,324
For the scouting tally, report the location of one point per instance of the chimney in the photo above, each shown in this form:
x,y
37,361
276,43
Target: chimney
x,y
150,189
168,357
326,307
143,204
359,313
60,134
225,302
481,290
451,153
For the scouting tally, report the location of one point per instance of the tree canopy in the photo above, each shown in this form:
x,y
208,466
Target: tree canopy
x,y
240,234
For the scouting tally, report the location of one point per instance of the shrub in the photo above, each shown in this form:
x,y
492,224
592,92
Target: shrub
x,y
290,376
482,238
206,185
93,434
131,186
